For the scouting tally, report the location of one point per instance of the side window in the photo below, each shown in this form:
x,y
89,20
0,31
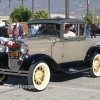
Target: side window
x,y
82,29
70,30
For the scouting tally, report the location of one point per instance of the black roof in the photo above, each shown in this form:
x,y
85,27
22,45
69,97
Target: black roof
x,y
57,20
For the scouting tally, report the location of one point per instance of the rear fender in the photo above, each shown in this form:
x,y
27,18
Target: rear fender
x,y
90,55
41,57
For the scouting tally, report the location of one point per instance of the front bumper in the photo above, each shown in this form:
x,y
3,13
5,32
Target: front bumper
x,y
11,66
13,72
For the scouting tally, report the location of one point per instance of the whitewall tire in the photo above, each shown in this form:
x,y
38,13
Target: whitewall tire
x,y
39,75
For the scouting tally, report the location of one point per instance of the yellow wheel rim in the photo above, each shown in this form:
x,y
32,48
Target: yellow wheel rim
x,y
41,76
96,65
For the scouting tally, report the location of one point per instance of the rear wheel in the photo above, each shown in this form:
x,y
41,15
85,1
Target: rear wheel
x,y
95,71
3,78
39,76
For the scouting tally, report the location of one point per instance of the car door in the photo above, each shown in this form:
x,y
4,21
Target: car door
x,y
70,51
70,48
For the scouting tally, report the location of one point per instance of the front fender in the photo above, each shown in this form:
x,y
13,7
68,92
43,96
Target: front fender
x,y
41,57
3,60
90,55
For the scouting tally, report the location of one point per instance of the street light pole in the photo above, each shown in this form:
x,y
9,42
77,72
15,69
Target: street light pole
x,y
32,9
49,7
67,8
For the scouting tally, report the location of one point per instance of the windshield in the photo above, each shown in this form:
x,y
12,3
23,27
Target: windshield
x,y
44,29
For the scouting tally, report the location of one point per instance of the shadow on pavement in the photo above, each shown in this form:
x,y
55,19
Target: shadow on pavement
x,y
22,81
14,80
66,77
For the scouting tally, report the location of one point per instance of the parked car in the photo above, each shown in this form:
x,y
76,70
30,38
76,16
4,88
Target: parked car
x,y
47,51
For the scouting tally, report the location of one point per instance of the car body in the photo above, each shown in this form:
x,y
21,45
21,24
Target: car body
x,y
46,51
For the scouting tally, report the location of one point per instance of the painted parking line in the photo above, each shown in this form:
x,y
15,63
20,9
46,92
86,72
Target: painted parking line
x,y
79,89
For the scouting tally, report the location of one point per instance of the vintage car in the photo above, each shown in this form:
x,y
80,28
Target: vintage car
x,y
46,50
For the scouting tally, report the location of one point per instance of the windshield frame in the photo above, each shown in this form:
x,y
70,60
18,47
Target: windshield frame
x,y
39,34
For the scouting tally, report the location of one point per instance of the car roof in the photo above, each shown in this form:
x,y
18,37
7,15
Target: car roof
x,y
57,20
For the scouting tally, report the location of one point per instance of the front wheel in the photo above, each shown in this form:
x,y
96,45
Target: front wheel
x,y
39,75
95,70
3,78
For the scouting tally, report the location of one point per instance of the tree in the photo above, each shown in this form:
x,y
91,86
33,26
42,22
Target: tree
x,y
0,1
90,17
21,14
22,2
42,14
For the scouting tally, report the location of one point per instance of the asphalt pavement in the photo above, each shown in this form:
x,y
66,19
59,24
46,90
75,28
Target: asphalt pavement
x,y
80,86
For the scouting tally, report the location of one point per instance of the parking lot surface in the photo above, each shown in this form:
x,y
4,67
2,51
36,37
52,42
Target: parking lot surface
x,y
79,86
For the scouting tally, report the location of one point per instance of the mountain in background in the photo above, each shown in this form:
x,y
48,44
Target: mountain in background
x,y
76,7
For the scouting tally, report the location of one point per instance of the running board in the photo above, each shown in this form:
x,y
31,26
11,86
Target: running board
x,y
13,72
76,71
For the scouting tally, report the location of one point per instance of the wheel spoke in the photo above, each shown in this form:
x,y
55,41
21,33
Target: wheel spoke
x,y
96,68
39,68
96,64
99,59
42,70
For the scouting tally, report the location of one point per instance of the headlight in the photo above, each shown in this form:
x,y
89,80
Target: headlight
x,y
24,48
2,48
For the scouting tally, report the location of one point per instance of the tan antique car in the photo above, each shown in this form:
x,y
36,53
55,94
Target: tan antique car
x,y
54,45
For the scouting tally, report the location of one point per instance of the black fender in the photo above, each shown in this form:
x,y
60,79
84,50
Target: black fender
x,y
41,57
90,55
3,60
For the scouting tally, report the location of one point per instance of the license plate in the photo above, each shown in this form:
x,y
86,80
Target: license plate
x,y
14,54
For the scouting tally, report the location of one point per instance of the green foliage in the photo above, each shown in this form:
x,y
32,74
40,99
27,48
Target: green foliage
x,y
90,17
21,14
42,14
0,0
9,21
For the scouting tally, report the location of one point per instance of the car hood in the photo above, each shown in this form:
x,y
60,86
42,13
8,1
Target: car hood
x,y
39,40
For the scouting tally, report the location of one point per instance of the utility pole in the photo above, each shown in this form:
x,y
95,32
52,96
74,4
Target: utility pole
x,y
32,9
49,7
87,6
67,8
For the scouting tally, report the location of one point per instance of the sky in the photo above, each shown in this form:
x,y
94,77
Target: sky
x,y
77,7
